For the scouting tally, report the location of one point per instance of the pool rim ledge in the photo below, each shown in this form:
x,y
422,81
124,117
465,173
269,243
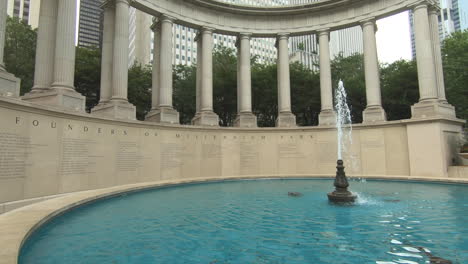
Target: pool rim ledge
x,y
17,225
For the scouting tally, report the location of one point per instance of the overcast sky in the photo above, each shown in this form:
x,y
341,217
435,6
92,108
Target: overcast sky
x,y
393,37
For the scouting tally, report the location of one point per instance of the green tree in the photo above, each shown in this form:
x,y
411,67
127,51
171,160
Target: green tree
x,y
139,89
225,84
88,74
20,51
351,71
455,61
264,93
305,94
185,78
399,83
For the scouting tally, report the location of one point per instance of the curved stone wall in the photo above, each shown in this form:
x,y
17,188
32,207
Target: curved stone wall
x,y
268,22
46,151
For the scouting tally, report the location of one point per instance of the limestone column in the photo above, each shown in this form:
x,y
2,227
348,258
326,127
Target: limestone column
x,y
374,111
64,62
9,84
245,117
429,103
107,54
156,63
45,47
166,113
424,54
434,27
285,117
198,40
57,43
207,117
327,114
118,106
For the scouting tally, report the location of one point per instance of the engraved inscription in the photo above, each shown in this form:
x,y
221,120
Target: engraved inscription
x,y
128,157
289,150
14,155
171,155
76,157
211,151
249,158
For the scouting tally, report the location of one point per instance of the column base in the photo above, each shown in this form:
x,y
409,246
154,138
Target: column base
x,y
286,119
374,114
64,98
208,118
163,115
327,118
429,108
9,85
117,109
245,120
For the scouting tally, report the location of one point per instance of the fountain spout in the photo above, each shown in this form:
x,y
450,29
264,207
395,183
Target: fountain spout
x,y
341,193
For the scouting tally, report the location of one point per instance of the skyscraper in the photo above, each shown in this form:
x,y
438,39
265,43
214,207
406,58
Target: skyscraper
x,y
27,10
90,24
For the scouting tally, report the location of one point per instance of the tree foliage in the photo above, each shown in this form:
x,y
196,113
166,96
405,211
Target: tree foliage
x,y
88,74
139,89
20,51
455,61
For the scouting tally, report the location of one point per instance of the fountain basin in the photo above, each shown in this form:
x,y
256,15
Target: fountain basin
x,y
244,221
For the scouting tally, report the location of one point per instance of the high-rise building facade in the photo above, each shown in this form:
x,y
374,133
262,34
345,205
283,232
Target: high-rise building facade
x,y
27,10
90,24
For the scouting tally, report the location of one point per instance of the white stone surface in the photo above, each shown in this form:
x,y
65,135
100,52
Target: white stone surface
x,y
3,16
327,114
107,53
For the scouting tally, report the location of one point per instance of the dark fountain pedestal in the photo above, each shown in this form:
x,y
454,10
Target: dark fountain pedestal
x,y
341,195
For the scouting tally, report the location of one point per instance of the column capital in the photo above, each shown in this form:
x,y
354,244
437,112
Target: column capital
x,y
166,18
434,10
204,30
108,4
419,5
122,2
245,35
155,26
282,35
323,31
369,22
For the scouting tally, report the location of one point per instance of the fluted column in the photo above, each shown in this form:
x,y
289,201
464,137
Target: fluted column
x,y
327,114
285,116
434,27
114,68
424,54
206,116
120,54
45,47
55,57
431,89
165,63
374,111
207,70
107,53
64,62
162,110
3,16
156,28
245,118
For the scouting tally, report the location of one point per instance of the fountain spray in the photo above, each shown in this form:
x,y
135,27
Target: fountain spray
x,y
343,118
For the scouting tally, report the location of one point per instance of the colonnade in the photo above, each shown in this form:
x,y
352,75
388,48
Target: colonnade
x,y
55,60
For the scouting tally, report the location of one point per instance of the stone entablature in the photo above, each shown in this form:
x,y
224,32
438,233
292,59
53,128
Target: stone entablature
x,y
268,21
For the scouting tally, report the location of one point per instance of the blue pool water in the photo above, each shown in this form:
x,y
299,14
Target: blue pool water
x,y
257,222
